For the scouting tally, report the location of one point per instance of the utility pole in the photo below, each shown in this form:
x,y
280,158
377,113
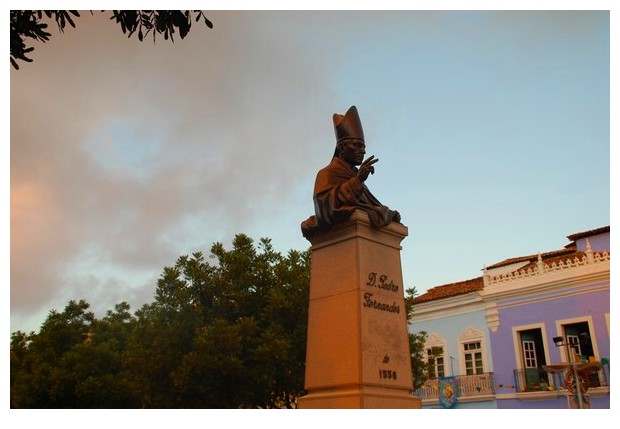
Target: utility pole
x,y
561,341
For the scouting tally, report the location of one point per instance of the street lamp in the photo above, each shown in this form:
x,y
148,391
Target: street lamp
x,y
561,341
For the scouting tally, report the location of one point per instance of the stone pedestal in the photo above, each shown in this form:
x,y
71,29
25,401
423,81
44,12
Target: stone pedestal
x,y
358,350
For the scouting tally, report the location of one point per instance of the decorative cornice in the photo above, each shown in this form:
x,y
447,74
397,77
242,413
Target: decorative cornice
x,y
435,340
541,268
550,282
470,334
492,316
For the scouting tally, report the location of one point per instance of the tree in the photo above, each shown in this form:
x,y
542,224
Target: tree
x,y
416,345
29,24
418,366
249,312
75,361
227,331
36,373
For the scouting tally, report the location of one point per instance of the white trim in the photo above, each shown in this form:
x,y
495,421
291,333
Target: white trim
x,y
607,321
545,268
559,324
435,340
471,335
491,315
518,353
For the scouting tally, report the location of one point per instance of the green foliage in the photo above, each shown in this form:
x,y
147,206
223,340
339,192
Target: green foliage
x,y
227,332
416,345
410,294
29,24
73,362
418,365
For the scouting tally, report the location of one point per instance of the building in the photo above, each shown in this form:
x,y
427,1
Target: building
x,y
492,340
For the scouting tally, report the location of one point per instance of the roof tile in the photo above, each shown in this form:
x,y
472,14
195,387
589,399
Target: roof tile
x,y
449,290
534,257
589,233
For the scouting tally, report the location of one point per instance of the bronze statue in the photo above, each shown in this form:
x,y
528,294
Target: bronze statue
x,y
339,188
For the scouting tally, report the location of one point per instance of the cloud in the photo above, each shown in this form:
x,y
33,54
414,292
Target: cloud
x,y
125,155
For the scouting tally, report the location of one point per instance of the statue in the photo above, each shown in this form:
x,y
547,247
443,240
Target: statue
x,y
339,188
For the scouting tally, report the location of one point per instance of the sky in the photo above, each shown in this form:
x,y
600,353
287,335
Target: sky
x,y
492,129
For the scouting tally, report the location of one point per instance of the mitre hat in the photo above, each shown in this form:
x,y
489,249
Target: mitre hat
x,y
348,126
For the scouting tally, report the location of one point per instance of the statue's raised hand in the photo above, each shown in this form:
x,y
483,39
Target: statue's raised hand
x,y
366,168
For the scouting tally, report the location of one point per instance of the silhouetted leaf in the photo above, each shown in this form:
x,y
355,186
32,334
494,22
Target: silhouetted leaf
x,y
27,24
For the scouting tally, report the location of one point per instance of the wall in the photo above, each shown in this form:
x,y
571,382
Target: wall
x,y
598,243
449,328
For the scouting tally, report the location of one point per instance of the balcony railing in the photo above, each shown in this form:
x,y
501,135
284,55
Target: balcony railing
x,y
528,380
532,380
537,379
594,379
468,385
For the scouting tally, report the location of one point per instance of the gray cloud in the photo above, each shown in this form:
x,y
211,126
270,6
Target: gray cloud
x,y
125,155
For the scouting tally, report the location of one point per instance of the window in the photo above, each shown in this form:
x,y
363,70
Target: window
x,y
436,362
473,358
532,348
435,356
573,340
529,354
579,337
531,376
472,352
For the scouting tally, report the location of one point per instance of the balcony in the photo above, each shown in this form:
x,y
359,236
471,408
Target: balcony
x,y
532,380
539,379
468,386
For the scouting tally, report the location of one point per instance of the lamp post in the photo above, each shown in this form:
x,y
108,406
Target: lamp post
x,y
561,341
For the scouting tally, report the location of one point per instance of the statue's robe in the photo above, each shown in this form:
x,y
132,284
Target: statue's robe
x,y
337,194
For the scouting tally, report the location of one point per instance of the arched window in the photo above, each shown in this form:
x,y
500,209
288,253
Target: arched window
x,y
472,351
435,356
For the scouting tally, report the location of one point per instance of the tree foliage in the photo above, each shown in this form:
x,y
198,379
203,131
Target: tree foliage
x,y
31,24
418,366
416,345
73,362
227,331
